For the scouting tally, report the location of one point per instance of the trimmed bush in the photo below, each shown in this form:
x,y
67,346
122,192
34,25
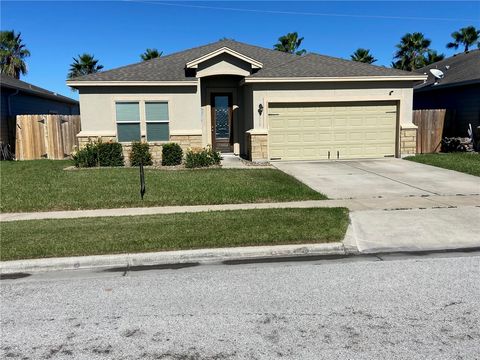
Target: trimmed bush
x,y
196,158
140,154
87,157
99,154
110,154
172,154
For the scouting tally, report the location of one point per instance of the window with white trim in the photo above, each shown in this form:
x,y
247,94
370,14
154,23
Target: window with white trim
x,y
157,122
128,121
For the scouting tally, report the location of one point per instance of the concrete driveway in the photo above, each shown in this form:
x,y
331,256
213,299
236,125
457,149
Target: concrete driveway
x,y
363,179
398,205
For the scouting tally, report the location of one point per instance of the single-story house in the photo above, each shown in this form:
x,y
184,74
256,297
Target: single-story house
x,y
456,89
21,98
259,103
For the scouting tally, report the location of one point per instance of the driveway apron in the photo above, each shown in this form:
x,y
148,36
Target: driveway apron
x,y
452,222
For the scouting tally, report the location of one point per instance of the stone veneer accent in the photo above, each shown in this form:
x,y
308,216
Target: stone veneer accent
x,y
408,141
257,146
185,142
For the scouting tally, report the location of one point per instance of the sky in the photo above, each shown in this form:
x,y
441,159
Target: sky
x,y
117,32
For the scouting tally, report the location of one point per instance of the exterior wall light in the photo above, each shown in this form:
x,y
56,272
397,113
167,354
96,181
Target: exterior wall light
x,y
260,109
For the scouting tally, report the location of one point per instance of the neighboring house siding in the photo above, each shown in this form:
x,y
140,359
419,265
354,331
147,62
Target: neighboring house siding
x,y
462,104
24,104
5,122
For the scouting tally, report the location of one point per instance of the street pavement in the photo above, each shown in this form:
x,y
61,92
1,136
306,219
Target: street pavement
x,y
364,307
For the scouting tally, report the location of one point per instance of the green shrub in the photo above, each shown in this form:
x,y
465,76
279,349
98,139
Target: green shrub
x,y
86,157
196,158
140,154
110,154
99,154
172,154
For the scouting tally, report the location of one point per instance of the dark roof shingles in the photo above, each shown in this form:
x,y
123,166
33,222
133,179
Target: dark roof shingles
x,y
462,68
275,64
13,83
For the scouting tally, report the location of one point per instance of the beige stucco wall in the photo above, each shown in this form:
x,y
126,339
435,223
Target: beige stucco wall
x,y
97,108
189,107
224,64
400,92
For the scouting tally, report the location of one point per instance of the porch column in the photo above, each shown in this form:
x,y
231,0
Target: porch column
x,y
257,145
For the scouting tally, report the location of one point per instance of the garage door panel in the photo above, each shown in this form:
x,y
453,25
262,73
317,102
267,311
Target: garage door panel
x,y
310,131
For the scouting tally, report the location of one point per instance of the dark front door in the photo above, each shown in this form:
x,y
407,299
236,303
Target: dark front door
x,y
222,139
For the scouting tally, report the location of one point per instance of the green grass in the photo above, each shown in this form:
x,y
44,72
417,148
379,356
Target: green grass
x,y
110,235
43,185
468,163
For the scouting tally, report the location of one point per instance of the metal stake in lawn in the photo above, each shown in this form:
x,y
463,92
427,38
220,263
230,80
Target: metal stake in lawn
x,y
142,180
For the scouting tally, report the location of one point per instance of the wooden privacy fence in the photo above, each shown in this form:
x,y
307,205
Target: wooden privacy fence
x,y
430,129
46,136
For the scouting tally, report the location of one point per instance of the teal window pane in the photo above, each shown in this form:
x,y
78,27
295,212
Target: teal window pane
x,y
128,111
128,132
156,111
157,132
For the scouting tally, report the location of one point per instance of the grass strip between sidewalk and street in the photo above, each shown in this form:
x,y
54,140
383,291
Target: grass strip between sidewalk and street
x,y
43,185
130,234
468,163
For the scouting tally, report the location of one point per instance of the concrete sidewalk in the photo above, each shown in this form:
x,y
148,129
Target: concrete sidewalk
x,y
381,203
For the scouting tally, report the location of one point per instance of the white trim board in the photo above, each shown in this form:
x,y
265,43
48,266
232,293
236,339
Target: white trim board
x,y
224,50
250,80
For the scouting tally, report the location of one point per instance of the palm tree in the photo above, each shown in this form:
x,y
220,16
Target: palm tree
x,y
84,64
290,43
12,54
363,55
151,54
433,57
466,36
412,52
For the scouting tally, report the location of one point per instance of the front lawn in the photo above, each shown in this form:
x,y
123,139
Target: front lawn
x,y
43,185
111,235
464,162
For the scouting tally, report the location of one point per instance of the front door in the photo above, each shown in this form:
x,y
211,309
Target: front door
x,y
222,136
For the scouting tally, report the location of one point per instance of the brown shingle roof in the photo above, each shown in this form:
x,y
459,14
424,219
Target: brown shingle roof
x,y
275,64
462,68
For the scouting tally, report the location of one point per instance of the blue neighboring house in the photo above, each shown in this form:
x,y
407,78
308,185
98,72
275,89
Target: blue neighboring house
x,y
457,90
21,98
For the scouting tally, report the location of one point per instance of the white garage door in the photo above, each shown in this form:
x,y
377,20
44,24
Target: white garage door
x,y
313,131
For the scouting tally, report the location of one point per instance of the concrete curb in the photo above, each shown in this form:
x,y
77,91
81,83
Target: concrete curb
x,y
202,256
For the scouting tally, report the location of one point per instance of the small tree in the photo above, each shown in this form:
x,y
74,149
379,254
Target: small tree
x,y
433,57
413,52
12,54
151,54
363,55
290,43
467,37
83,65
